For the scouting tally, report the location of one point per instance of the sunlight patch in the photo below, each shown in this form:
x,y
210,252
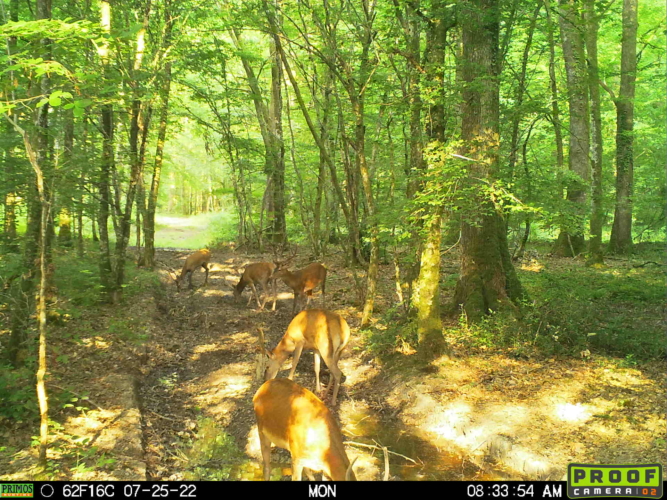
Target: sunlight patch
x,y
568,412
96,342
533,266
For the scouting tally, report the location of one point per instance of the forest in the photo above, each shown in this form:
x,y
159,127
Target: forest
x,y
474,190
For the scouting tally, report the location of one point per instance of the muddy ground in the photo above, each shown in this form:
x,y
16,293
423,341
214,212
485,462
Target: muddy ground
x,y
166,384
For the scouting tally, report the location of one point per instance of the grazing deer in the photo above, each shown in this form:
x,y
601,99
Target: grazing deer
x,y
326,332
260,272
199,258
303,281
295,419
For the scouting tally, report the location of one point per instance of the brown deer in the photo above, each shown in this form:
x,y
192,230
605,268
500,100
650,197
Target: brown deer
x,y
295,419
326,332
199,258
303,281
261,273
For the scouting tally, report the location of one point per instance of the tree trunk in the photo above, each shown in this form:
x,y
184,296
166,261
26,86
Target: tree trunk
x,y
487,281
555,109
278,232
571,238
621,231
426,291
425,295
595,242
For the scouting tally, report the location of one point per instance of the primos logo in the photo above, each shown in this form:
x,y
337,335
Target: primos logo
x,y
16,490
591,481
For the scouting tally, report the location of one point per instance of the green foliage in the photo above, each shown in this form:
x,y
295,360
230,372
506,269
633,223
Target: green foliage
x,y
575,310
212,454
396,335
17,392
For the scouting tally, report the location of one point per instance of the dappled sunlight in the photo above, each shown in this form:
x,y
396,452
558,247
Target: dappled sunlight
x,y
226,381
532,265
96,342
574,413
175,221
201,349
252,447
211,292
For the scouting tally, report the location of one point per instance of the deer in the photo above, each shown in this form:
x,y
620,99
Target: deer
x,y
260,272
303,281
192,262
293,418
326,332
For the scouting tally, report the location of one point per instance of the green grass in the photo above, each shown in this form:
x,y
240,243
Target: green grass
x,y
573,310
193,232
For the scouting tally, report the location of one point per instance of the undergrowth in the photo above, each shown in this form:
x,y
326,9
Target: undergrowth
x,y
573,310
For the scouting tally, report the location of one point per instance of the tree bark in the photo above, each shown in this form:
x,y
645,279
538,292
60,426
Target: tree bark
x,y
621,231
106,166
425,295
595,242
571,238
487,281
553,84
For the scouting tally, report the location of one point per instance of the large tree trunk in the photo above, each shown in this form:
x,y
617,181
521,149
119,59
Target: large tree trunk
x,y
571,238
488,281
595,242
621,231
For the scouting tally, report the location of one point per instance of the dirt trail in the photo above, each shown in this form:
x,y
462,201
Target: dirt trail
x,y
202,366
475,417
169,377
201,369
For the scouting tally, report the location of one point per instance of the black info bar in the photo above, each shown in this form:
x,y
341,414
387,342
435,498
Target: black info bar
x,y
122,490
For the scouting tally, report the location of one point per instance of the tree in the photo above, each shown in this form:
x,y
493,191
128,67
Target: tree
x,y
571,238
595,244
487,281
621,232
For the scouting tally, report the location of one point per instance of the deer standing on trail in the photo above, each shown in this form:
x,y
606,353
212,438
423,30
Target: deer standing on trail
x,y
199,258
303,281
325,332
262,273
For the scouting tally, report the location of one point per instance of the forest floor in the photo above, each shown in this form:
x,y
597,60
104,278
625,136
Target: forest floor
x,y
161,388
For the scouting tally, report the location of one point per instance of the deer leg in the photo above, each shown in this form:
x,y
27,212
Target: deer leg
x,y
295,360
190,273
335,375
274,295
294,305
297,469
254,291
317,372
309,295
324,300
265,289
265,445
205,269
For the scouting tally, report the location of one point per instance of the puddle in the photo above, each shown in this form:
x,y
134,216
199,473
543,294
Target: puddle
x,y
430,462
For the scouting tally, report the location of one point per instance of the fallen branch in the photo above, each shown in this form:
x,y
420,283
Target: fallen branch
x,y
162,416
374,447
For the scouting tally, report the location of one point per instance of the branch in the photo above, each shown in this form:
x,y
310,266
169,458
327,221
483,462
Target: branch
x,y
609,91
